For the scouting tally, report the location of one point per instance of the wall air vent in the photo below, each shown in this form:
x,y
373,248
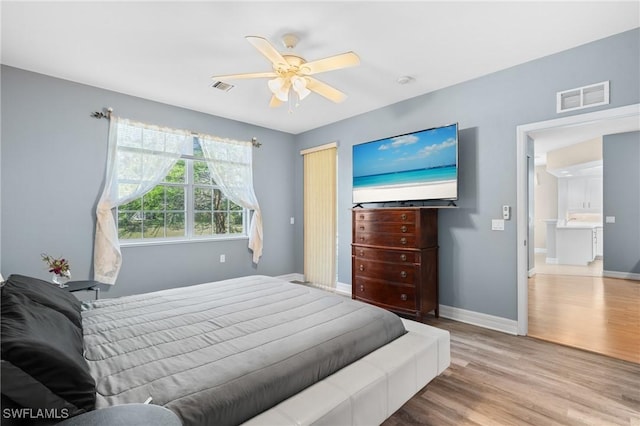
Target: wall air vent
x,y
221,85
583,97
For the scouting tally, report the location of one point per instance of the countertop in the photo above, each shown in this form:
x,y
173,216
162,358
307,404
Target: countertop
x,y
578,225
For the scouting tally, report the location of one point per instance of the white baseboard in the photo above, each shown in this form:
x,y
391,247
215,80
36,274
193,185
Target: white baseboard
x,y
539,250
341,288
551,261
344,289
623,275
481,320
531,272
291,277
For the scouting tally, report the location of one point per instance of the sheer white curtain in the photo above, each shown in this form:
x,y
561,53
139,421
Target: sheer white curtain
x,y
140,156
231,166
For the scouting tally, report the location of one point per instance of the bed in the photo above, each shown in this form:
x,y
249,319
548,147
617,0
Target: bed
x,y
255,350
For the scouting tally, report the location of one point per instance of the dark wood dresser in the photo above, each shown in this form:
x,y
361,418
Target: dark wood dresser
x,y
394,259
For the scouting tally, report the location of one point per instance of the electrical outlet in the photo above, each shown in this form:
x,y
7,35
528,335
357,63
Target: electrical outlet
x,y
223,258
497,225
292,220
610,219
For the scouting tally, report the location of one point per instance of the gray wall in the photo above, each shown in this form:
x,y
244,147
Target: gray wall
x,y
53,159
621,192
477,265
53,165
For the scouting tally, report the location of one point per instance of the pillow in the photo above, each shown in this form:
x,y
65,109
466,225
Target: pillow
x,y
42,358
46,294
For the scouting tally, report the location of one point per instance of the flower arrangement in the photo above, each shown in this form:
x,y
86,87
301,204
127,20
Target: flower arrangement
x,y
59,267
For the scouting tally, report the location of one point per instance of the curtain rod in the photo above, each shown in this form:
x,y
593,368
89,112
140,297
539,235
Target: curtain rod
x,y
106,113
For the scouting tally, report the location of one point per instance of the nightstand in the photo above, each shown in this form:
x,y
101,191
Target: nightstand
x,y
84,285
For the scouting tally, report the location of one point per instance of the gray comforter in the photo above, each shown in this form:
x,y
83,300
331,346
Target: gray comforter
x,y
223,352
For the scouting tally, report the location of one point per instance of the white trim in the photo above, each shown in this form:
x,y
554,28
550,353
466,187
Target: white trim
x,y
491,322
531,273
343,288
622,275
291,277
319,148
521,191
551,261
539,250
159,242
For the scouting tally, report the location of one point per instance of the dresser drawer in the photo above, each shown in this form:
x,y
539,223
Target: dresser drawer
x,y
389,295
396,227
395,256
386,240
385,227
391,272
386,215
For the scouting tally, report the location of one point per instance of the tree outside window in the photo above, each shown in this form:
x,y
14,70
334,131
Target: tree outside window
x,y
186,205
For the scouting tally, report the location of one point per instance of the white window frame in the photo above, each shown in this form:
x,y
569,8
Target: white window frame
x,y
189,186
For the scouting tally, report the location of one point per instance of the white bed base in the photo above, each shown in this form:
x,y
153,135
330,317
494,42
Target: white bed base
x,y
370,390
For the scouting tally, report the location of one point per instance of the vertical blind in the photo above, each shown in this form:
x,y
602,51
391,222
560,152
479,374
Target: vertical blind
x,y
320,216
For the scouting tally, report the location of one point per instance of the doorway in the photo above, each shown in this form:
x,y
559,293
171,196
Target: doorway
x,y
587,311
566,189
614,120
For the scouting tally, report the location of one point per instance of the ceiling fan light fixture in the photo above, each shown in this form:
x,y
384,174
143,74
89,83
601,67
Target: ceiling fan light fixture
x,y
279,88
300,86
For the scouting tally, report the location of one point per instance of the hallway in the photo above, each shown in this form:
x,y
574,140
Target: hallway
x,y
593,313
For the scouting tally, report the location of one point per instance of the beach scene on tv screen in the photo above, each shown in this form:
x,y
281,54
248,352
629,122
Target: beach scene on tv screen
x,y
420,165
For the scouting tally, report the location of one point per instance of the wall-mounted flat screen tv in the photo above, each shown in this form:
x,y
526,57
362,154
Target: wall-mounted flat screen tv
x,y
421,165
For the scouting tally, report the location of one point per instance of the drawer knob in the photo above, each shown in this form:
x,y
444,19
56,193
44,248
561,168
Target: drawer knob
x,y
403,216
362,228
403,274
362,253
403,241
361,238
403,228
403,297
403,257
361,287
362,267
361,216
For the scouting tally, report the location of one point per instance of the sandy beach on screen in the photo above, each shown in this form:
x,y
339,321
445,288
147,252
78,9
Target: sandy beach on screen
x,y
416,191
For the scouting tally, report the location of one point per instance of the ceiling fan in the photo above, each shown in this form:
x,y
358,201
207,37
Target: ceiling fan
x,y
294,72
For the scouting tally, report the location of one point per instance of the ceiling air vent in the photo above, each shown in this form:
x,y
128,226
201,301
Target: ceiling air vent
x,y
583,97
221,85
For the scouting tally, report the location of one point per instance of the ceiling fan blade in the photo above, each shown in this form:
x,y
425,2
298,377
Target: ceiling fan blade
x,y
270,74
325,90
267,49
275,102
331,63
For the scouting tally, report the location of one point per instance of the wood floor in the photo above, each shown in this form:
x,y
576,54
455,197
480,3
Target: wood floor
x,y
593,313
500,379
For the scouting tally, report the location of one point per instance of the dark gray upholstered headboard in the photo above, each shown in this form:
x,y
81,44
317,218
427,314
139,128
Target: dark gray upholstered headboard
x,y
43,367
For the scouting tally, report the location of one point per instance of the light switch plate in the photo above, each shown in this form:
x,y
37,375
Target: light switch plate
x,y
497,224
506,212
610,219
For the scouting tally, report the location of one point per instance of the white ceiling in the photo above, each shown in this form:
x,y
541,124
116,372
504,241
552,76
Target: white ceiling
x,y
167,51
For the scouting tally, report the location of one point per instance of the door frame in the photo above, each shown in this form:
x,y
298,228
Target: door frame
x,y
522,243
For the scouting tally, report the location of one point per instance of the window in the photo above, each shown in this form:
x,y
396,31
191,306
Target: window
x,y
186,205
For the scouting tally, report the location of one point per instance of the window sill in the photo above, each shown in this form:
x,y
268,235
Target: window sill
x,y
125,244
